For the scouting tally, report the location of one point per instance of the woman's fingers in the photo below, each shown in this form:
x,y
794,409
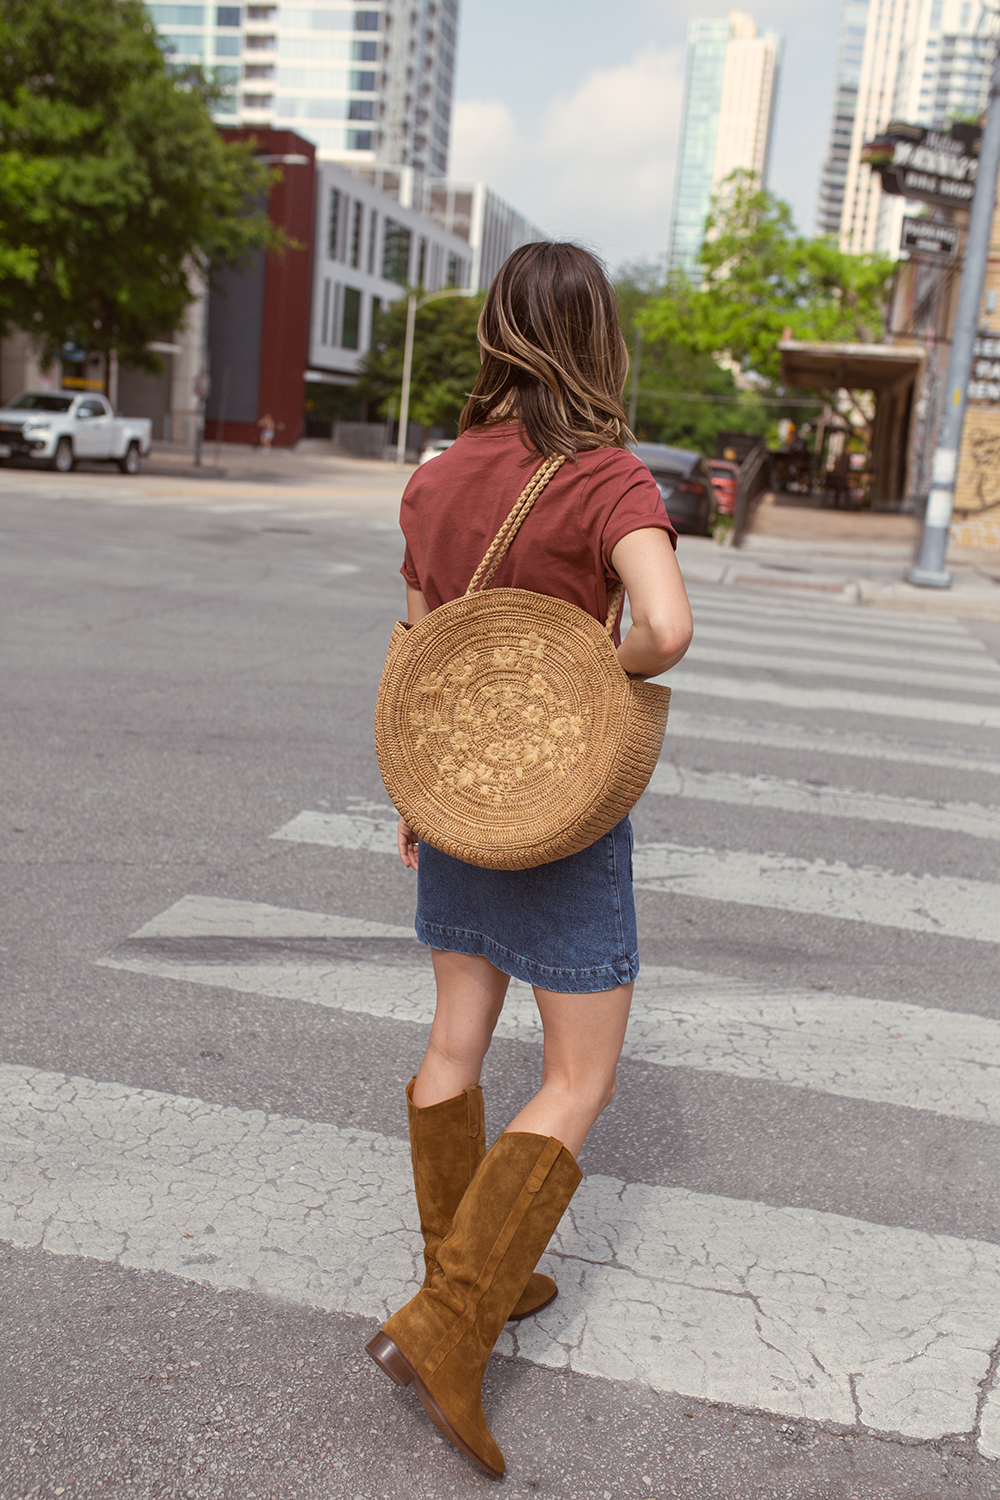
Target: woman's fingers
x,y
406,841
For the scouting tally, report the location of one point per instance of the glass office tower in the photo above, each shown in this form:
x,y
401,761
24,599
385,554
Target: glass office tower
x,y
365,83
729,94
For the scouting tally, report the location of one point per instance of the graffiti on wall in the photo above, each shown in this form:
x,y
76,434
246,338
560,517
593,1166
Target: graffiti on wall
x,y
984,446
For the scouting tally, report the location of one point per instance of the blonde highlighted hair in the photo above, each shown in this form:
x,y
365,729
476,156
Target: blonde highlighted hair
x,y
553,354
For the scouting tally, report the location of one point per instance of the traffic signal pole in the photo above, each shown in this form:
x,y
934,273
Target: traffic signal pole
x,y
930,571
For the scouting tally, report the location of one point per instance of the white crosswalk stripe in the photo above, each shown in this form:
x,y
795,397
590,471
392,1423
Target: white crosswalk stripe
x,y
731,731
771,792
905,1055
849,651
794,661
795,1311
919,903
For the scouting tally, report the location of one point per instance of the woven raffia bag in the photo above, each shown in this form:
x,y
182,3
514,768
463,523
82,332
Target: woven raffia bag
x,y
508,735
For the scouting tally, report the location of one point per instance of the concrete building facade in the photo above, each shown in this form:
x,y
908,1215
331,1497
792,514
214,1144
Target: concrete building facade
x,y
729,96
919,61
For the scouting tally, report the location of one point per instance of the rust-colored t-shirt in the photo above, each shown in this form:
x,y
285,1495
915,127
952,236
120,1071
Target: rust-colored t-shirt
x,y
454,506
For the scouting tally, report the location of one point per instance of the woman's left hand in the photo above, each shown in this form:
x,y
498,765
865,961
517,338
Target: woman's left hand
x,y
406,841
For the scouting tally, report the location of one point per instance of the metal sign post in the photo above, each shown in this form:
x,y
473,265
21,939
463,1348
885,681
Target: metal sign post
x,y
930,571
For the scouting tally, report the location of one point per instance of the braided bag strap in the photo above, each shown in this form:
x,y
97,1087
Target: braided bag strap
x,y
497,550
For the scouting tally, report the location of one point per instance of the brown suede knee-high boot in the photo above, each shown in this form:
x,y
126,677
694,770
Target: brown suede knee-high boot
x,y
447,1145
442,1339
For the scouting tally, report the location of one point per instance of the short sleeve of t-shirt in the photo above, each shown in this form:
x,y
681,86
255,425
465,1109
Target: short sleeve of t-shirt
x,y
627,498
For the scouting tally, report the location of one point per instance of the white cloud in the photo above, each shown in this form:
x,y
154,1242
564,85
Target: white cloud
x,y
599,165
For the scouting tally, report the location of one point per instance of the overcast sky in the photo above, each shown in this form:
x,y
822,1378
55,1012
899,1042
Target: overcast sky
x,y
570,109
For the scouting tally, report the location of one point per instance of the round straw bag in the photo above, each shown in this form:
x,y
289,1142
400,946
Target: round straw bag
x,y
507,733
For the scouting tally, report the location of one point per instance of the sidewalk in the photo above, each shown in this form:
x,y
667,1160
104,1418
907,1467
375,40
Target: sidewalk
x,y
851,557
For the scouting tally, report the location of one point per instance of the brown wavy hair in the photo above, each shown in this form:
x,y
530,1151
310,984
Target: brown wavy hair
x,y
553,354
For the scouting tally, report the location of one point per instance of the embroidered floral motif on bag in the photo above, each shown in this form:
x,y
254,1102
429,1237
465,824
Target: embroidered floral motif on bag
x,y
488,726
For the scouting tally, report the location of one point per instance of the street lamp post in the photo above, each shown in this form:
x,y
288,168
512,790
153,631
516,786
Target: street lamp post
x,y
413,305
930,571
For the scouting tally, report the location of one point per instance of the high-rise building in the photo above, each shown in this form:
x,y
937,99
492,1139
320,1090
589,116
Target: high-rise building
x,y
729,94
919,61
365,84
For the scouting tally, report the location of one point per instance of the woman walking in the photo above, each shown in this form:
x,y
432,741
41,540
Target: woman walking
x,y
553,371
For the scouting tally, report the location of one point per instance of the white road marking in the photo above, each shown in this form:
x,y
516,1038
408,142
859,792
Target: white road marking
x,y
909,1056
805,1314
831,700
796,664
870,623
939,904
687,725
826,801
343,831
828,642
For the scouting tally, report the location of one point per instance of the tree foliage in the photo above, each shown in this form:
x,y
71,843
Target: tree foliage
x,y
116,189
445,360
761,277
684,397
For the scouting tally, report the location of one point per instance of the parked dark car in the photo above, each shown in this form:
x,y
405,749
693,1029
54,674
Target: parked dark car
x,y
685,484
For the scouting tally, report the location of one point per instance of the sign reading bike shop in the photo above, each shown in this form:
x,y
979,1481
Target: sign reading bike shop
x,y
931,166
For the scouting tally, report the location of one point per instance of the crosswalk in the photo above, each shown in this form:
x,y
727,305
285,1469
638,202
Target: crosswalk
x,y
808,745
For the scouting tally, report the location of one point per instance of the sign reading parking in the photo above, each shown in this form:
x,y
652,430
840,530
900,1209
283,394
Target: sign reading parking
x,y
927,237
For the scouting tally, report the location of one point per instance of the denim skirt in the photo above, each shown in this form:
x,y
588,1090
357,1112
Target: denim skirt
x,y
567,926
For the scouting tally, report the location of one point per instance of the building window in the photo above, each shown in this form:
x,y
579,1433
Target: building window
x,y
372,240
421,261
227,46
362,83
351,327
177,15
175,45
324,333
333,224
260,43
396,253
256,70
356,220
361,109
227,15
366,20
258,101
376,314
364,51
454,271
359,140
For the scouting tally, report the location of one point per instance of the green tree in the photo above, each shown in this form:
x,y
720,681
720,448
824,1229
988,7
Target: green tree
x,y
116,190
445,360
761,277
684,397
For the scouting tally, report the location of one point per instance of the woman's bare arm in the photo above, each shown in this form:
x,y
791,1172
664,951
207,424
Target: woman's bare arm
x,y
661,615
416,605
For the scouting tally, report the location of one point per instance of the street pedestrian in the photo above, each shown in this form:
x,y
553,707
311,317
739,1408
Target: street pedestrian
x,y
265,431
551,380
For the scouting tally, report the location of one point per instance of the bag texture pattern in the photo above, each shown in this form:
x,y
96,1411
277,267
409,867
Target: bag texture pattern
x,y
507,733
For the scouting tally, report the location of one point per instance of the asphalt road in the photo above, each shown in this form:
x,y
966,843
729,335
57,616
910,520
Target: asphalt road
x,y
781,1276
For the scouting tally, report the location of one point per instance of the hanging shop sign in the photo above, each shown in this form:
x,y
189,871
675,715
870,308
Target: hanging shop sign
x,y
928,237
984,382
932,166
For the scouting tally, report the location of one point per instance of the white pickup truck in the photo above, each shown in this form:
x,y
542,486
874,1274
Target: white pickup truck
x,y
60,427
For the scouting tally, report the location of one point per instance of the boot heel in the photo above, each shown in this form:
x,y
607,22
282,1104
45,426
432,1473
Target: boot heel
x,y
390,1359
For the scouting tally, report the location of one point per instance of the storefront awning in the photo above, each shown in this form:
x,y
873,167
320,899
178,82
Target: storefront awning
x,y
852,367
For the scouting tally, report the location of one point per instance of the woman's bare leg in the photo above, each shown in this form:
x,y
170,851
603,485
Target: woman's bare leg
x,y
583,1042
470,996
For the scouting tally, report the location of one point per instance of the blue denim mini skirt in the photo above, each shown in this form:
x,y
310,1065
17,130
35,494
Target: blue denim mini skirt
x,y
567,926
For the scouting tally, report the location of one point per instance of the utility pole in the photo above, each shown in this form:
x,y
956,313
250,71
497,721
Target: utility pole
x,y
412,307
930,571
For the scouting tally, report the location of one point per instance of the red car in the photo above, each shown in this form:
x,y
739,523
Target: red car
x,y
725,479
